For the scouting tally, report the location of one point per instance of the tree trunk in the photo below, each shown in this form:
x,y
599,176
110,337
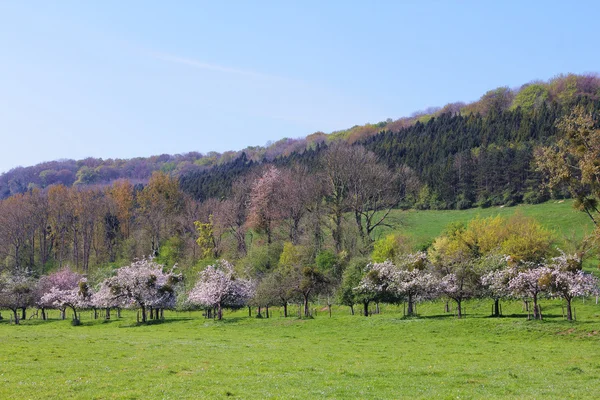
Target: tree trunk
x,y
569,311
459,308
107,315
249,311
285,310
16,316
43,314
24,313
267,311
496,308
536,311
75,317
143,314
410,312
352,309
220,312
306,310
63,313
366,308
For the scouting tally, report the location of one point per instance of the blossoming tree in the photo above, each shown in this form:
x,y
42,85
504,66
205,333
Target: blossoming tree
x,y
218,287
76,298
569,281
143,285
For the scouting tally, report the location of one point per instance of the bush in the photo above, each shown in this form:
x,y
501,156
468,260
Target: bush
x,y
535,197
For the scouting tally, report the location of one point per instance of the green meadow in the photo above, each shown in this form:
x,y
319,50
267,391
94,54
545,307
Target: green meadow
x,y
558,216
383,356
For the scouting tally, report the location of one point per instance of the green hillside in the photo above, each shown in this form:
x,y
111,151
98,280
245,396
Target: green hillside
x,y
558,216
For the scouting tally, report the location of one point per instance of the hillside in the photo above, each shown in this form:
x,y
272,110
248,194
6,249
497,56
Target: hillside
x,y
481,138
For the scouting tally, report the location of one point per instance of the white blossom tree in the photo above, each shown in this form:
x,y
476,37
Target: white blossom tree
x,y
413,282
144,285
76,298
378,284
16,293
105,297
531,284
62,279
569,281
218,287
495,280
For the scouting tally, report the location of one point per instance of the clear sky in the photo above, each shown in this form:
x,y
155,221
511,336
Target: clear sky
x,y
121,79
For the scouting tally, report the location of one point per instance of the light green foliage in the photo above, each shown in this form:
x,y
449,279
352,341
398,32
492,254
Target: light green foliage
x,y
206,239
290,256
86,176
390,247
170,251
353,273
261,259
328,262
531,97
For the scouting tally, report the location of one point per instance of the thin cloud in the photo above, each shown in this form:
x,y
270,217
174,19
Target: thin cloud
x,y
214,67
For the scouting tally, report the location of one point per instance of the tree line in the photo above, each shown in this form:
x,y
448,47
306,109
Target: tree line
x,y
316,223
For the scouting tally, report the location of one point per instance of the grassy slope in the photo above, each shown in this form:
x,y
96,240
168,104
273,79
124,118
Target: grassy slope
x,y
559,217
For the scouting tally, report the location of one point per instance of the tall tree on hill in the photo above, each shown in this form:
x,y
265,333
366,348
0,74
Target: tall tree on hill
x,y
60,217
233,211
573,161
300,190
357,182
265,202
14,230
160,201
40,217
122,194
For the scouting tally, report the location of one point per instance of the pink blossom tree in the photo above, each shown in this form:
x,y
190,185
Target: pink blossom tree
x,y
76,298
378,284
412,281
265,202
16,293
218,287
568,281
105,297
63,279
495,281
531,284
144,285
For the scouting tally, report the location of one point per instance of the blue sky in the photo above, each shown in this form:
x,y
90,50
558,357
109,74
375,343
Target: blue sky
x,y
116,79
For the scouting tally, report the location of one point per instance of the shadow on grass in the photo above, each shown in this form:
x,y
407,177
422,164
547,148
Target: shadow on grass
x,y
441,316
153,322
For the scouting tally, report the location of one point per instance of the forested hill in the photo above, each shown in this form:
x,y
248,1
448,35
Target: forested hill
x,y
463,154
462,160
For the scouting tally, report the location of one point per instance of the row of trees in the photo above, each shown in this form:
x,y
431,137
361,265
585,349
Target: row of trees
x,y
145,285
418,278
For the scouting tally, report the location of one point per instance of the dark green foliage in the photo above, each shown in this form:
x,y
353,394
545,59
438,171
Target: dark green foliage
x,y
215,182
474,160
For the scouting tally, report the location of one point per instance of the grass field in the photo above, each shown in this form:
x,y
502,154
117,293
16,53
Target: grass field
x,y
559,217
380,357
383,356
